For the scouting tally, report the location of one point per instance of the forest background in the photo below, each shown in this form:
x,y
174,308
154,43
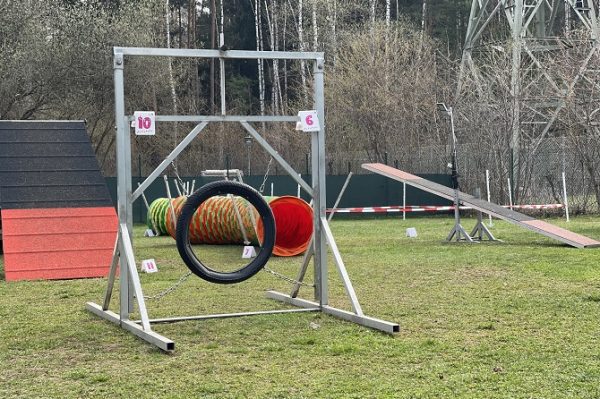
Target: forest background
x,y
388,63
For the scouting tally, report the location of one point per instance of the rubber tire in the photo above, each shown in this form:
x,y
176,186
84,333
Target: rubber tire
x,y
184,247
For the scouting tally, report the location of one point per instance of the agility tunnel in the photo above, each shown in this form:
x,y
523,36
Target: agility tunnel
x,y
57,218
216,222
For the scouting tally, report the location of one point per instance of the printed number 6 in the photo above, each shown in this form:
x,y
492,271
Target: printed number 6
x,y
309,120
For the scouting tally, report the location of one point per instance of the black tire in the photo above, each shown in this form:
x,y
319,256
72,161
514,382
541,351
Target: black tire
x,y
184,220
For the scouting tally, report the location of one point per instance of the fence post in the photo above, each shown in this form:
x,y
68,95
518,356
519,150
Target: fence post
x,y
510,200
564,183
489,196
403,200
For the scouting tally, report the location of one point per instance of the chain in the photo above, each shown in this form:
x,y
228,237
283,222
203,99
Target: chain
x,y
181,183
170,289
262,186
286,278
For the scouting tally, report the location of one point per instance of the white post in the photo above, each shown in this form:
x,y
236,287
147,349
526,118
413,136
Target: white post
x,y
489,194
564,182
510,203
298,191
271,189
403,200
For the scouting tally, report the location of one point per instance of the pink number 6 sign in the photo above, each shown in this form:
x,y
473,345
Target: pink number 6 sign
x,y
309,121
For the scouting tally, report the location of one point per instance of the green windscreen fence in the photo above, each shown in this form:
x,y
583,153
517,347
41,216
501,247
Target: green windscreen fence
x,y
362,191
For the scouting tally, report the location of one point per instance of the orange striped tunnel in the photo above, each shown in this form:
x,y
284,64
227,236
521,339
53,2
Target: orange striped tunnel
x,y
216,222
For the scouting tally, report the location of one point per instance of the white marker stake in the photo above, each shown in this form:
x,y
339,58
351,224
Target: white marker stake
x,y
145,123
271,189
489,197
249,252
298,191
149,266
564,182
149,233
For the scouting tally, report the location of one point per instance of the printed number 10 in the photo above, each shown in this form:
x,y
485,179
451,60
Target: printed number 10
x,y
144,123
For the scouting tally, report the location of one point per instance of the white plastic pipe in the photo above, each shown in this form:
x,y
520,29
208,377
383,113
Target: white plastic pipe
x,y
564,182
489,194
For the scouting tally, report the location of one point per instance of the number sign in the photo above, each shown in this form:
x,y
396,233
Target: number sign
x,y
309,120
149,266
145,123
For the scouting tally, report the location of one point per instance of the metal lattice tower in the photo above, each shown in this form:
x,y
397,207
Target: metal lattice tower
x,y
530,35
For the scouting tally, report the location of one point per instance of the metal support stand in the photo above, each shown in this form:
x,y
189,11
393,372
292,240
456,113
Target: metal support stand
x,y
130,286
458,233
480,230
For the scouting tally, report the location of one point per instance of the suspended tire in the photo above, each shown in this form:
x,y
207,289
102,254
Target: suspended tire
x,y
183,231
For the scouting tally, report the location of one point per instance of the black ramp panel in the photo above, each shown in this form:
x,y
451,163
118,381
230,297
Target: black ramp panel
x,y
566,236
49,164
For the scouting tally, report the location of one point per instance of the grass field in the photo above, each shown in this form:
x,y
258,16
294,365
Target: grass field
x,y
518,319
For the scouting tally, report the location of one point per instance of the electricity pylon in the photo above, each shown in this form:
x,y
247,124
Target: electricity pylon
x,y
531,34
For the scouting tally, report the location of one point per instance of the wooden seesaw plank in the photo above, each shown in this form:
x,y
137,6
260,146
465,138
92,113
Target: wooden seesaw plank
x,y
519,219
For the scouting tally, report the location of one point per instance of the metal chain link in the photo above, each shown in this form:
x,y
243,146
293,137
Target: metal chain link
x,y
262,186
172,288
286,278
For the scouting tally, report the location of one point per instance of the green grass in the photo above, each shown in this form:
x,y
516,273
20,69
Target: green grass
x,y
518,319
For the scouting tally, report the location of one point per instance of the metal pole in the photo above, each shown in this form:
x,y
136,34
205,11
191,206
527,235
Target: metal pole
x,y
403,200
564,182
489,194
123,182
319,188
339,198
517,43
510,201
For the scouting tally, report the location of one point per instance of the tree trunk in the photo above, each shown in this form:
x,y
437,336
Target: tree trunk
x,y
261,78
301,45
388,12
315,27
424,18
213,30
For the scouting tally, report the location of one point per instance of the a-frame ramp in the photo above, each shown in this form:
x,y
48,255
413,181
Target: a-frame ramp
x,y
58,220
547,229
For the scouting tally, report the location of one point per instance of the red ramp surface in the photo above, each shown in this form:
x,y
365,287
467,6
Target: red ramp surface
x,y
58,243
519,219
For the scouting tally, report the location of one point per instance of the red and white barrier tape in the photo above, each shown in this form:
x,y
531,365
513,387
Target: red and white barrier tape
x,y
400,208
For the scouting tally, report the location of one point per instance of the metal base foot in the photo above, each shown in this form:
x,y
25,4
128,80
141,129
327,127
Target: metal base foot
x,y
150,336
481,232
458,233
366,321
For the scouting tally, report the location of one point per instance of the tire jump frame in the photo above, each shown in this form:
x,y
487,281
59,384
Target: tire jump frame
x,y
131,292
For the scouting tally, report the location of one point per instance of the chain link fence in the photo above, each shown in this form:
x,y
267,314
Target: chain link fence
x,y
539,179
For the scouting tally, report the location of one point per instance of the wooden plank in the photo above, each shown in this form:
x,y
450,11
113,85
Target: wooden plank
x,y
519,219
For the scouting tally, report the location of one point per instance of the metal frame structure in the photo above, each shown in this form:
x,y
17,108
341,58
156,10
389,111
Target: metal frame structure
x,y
536,35
130,285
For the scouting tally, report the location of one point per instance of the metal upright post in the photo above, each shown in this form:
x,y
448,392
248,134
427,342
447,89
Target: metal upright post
x,y
123,182
319,189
